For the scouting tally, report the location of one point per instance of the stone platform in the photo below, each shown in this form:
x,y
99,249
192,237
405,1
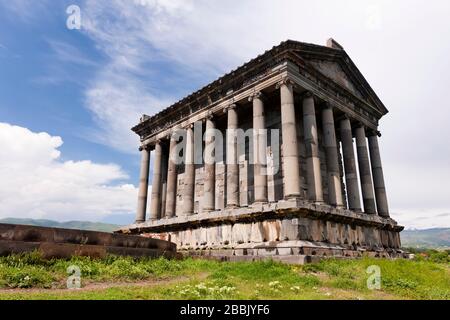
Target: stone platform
x,y
288,230
64,243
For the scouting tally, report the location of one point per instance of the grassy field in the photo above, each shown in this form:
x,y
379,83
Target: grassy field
x,y
30,277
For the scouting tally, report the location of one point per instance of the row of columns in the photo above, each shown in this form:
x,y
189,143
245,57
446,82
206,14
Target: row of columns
x,y
368,156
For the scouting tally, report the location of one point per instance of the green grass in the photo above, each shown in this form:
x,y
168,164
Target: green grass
x,y
127,278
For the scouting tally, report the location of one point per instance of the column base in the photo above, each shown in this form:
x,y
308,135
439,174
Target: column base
x,y
292,197
258,204
260,201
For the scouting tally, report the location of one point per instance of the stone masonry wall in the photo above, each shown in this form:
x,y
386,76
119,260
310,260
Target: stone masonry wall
x,y
277,230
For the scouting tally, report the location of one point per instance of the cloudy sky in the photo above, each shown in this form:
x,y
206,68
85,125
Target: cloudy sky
x,y
68,97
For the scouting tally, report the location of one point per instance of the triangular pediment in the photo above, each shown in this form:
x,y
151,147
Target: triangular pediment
x,y
335,65
334,71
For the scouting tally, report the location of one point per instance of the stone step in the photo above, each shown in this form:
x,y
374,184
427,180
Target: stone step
x,y
23,233
66,250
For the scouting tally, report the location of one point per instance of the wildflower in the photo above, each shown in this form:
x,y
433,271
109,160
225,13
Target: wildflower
x,y
275,286
295,288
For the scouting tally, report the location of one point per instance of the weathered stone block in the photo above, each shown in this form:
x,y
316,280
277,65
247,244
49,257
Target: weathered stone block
x,y
266,251
257,232
284,251
272,230
289,229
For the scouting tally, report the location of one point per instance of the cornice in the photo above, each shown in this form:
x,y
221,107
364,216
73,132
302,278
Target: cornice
x,y
253,71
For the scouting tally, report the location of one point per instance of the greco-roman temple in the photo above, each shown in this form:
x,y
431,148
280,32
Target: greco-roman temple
x,y
280,158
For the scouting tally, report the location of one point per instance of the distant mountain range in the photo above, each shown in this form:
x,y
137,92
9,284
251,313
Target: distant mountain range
x,y
428,238
81,225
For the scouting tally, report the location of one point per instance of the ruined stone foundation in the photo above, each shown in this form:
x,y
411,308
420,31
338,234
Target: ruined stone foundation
x,y
292,231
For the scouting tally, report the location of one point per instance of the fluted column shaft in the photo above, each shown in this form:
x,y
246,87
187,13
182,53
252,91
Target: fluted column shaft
x,y
331,150
259,149
291,168
351,177
210,167
364,171
232,161
314,177
189,174
156,184
171,192
378,178
143,185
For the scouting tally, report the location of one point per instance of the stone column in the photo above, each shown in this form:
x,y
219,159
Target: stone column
x,y
232,161
143,184
351,178
210,167
164,182
314,177
156,184
332,159
291,168
364,171
189,174
378,178
259,148
171,191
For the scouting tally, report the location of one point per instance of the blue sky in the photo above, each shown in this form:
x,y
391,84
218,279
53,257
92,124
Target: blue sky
x,y
68,98
46,71
42,84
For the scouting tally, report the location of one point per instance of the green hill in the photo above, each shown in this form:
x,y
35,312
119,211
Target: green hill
x,y
81,225
438,238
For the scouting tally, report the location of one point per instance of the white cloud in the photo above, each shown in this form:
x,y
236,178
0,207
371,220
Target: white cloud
x,y
36,184
67,53
26,10
117,101
136,37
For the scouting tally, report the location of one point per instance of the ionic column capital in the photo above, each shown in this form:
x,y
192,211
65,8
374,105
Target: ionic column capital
x,y
344,117
287,81
256,95
172,134
372,132
359,124
189,126
308,94
327,105
231,106
209,115
144,147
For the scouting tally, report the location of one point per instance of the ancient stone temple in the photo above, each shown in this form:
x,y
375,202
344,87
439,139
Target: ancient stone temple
x,y
304,179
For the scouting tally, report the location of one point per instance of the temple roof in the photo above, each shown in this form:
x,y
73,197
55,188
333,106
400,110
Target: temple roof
x,y
331,61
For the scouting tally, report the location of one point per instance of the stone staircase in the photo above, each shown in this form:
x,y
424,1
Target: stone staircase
x,y
64,243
